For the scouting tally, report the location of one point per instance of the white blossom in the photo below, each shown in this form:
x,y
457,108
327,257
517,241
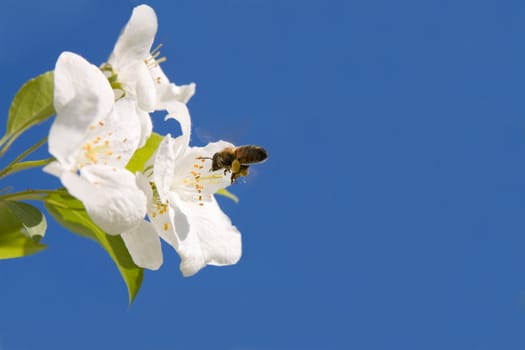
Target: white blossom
x,y
184,210
138,70
92,138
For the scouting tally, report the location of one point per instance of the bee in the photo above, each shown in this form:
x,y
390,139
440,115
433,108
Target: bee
x,y
236,160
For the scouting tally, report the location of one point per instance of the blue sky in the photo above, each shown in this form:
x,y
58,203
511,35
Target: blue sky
x,y
390,214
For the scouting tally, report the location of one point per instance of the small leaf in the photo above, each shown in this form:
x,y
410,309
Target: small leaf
x,y
71,214
8,221
32,219
142,155
224,192
17,245
32,104
14,242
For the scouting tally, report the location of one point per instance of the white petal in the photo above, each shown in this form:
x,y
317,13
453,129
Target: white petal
x,y
164,223
167,91
136,38
182,93
54,168
164,164
74,76
145,87
195,168
143,245
206,235
146,127
144,185
178,111
114,139
111,197
125,126
82,97
161,217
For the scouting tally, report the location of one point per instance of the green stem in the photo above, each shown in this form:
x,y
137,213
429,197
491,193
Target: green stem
x,y
10,142
29,150
4,139
25,165
14,168
28,195
16,165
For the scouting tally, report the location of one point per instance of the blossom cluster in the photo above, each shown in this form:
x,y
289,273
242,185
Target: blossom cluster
x,y
102,118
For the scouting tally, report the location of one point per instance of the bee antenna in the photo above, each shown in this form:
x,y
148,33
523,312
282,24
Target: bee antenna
x,y
204,158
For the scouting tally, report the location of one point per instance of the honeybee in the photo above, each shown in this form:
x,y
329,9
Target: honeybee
x,y
236,160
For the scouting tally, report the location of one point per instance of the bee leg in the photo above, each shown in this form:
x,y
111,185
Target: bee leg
x,y
236,166
243,171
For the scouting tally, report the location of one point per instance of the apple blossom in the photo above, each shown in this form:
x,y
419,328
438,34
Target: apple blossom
x,y
184,210
92,139
136,69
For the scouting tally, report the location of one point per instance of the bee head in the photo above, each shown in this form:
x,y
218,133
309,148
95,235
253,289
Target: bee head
x,y
216,162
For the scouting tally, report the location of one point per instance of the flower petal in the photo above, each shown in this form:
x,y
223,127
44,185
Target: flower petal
x,y
136,38
125,127
113,140
146,127
143,245
54,168
206,235
178,111
111,197
82,97
75,76
167,91
164,222
138,79
167,153
194,167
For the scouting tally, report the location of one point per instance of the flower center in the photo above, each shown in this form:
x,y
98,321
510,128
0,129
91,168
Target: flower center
x,y
99,149
153,63
196,181
158,208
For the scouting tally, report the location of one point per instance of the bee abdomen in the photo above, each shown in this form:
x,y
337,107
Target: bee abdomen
x,y
250,154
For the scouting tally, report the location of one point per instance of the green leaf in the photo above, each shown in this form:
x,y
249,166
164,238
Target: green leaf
x,y
32,219
17,245
224,192
71,214
142,155
14,242
32,104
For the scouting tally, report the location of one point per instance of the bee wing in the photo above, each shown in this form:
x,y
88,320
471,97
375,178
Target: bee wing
x,y
215,131
251,163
